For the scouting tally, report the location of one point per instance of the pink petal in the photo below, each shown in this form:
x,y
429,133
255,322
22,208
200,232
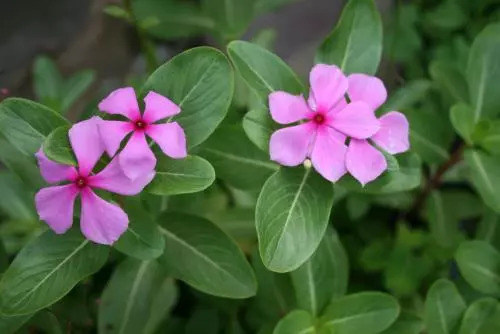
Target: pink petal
x,y
328,154
55,206
100,221
121,102
356,120
112,134
158,107
328,86
170,137
53,172
287,108
393,135
113,179
136,159
364,162
86,143
290,146
366,88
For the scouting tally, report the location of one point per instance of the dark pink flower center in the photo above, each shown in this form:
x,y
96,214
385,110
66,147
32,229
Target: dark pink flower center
x,y
81,182
140,125
318,118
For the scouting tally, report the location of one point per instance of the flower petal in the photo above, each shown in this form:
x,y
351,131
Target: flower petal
x,y
328,154
393,135
158,107
356,120
55,206
112,134
113,179
290,146
328,86
100,221
86,143
366,88
170,137
136,159
286,108
364,162
122,101
53,172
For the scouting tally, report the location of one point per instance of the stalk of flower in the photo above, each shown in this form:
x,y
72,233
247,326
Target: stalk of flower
x,y
136,158
100,221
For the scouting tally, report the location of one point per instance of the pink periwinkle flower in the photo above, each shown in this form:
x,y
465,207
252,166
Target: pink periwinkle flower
x,y
100,221
137,158
327,120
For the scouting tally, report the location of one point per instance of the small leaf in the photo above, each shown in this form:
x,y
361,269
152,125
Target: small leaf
x,y
462,119
443,308
175,177
355,45
486,135
259,126
74,88
485,176
291,217
477,314
479,263
194,245
117,12
58,148
47,80
296,322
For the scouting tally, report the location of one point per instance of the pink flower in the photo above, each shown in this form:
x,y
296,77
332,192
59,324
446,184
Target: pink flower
x,y
363,161
137,158
100,221
328,120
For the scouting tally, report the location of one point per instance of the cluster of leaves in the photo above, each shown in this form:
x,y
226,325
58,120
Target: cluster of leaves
x,y
226,241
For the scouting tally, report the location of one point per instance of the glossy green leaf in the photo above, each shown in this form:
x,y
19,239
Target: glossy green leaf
x,y
487,135
23,166
259,126
137,297
16,202
74,87
479,264
262,70
477,314
443,308
365,312
10,325
407,323
194,245
184,176
231,17
200,82
296,322
483,71
47,80
58,148
485,176
462,119
46,269
291,217
323,277
237,160
355,45
25,123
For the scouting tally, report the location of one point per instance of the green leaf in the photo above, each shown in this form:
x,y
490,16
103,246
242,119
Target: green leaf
x,y
479,264
203,320
10,325
477,314
25,123
485,176
16,202
407,323
262,6
231,17
355,45
74,88
44,322
365,312
58,148
200,81
462,119
450,80
323,277
137,297
262,70
291,217
487,135
488,229
407,96
443,227
406,178
447,15
141,240
23,166
483,71
47,81
46,269
237,160
199,253
117,12
443,308
296,322
175,177
259,126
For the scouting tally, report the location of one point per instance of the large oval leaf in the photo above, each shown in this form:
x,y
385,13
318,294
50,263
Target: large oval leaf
x,y
296,322
479,263
199,253
355,45
365,312
485,176
136,299
46,269
175,177
291,217
477,314
443,308
201,82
